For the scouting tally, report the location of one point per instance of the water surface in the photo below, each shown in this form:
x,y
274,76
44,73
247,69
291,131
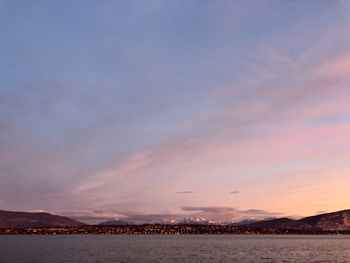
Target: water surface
x,y
184,248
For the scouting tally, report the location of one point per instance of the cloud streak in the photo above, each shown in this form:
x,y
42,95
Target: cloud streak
x,y
207,209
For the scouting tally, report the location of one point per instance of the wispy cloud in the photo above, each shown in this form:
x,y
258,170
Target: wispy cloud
x,y
208,209
335,69
136,161
259,213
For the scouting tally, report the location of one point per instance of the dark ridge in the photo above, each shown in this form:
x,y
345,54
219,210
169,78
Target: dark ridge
x,y
9,219
274,223
330,221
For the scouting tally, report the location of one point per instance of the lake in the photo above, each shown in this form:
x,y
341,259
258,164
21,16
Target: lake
x,y
177,248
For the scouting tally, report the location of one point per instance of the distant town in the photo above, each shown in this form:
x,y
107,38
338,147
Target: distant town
x,y
149,229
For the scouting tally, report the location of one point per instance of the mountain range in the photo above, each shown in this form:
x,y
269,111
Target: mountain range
x,y
339,220
10,219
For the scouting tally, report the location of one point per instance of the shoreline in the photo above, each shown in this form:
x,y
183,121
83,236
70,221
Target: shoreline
x,y
165,230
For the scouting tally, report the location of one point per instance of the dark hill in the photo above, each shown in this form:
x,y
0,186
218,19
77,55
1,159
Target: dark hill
x,y
10,219
275,223
330,221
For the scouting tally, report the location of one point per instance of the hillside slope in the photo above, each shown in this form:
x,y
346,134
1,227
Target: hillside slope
x,y
10,219
339,220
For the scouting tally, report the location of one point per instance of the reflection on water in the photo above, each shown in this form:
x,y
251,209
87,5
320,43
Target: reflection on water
x,y
186,248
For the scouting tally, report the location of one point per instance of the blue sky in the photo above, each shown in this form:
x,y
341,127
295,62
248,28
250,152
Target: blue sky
x,y
118,106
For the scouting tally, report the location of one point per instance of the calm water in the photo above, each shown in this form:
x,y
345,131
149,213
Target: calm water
x,y
155,248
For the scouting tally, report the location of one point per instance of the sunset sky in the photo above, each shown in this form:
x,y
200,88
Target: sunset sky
x,y
152,110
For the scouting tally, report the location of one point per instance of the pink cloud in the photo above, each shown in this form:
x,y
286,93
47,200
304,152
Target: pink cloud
x,y
135,162
337,68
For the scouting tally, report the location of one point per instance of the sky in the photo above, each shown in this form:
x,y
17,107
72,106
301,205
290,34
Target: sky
x,y
159,110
